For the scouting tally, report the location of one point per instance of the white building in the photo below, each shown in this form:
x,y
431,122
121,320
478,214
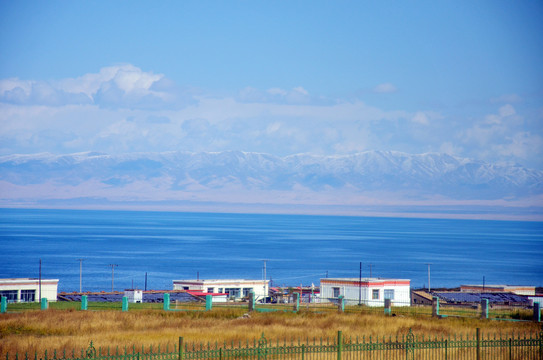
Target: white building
x,y
134,295
28,290
234,288
369,291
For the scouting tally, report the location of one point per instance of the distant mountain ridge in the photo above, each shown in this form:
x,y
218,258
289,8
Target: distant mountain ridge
x,y
417,175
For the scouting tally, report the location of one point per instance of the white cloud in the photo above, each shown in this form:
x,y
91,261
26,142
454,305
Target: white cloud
x,y
521,145
11,84
420,118
297,95
123,108
449,148
274,127
507,110
502,136
114,86
385,88
277,91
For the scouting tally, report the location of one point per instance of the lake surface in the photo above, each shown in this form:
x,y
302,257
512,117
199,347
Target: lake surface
x,y
299,249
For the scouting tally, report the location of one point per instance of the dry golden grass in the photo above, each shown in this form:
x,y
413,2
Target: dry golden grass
x,y
32,331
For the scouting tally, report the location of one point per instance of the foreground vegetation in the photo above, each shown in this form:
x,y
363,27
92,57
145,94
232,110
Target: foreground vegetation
x,y
68,329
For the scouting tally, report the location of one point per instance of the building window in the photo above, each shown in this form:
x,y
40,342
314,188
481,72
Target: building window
x,y
375,294
220,291
11,295
210,290
246,291
389,294
335,292
28,295
185,288
233,292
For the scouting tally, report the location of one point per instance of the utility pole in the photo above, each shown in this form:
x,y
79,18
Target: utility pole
x,y
113,266
429,288
146,281
80,274
370,271
40,283
264,269
264,276
360,286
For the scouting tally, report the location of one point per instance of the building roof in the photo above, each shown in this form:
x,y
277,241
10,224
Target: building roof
x,y
366,281
530,287
498,286
220,281
423,294
26,281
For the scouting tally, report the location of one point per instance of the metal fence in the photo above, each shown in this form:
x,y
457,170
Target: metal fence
x,y
408,346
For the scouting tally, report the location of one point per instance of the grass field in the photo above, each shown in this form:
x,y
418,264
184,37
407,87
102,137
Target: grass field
x,y
64,327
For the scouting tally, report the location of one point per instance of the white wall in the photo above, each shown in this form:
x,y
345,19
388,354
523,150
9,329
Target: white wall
x,y
49,287
259,287
134,296
353,293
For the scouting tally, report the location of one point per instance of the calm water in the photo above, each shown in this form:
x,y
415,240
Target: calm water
x,y
298,249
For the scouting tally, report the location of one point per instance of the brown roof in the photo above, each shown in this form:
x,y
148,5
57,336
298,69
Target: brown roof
x,y
423,294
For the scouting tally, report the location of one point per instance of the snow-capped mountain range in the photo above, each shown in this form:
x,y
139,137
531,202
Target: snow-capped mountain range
x,y
155,175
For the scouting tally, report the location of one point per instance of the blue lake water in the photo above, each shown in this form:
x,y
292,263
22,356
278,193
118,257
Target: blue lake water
x,y
299,249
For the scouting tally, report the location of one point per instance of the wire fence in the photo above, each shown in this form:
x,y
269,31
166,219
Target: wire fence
x,y
296,304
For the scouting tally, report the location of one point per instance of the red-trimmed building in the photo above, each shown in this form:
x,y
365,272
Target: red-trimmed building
x,y
235,288
367,291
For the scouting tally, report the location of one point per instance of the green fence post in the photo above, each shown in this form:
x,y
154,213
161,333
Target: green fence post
x,y
388,304
478,336
180,346
537,312
435,306
125,303
341,303
44,305
166,302
296,302
84,302
209,302
339,344
484,309
410,345
252,301
4,306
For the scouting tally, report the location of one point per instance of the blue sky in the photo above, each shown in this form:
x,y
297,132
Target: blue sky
x,y
324,77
